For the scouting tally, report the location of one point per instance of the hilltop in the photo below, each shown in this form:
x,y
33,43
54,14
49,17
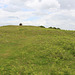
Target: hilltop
x,y
32,50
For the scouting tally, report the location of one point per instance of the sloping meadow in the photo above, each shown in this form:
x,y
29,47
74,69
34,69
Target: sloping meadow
x,y
30,50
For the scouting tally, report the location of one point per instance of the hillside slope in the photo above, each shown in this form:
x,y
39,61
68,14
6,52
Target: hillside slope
x,y
30,50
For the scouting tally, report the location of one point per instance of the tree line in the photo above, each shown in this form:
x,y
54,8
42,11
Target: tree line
x,y
49,27
42,26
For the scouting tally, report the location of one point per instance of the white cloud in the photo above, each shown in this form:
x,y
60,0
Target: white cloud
x,y
18,5
58,13
63,19
43,4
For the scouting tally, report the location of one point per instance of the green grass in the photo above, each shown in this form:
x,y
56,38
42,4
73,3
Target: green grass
x,y
30,50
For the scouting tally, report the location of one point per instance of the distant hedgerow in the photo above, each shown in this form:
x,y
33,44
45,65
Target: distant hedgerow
x,y
53,28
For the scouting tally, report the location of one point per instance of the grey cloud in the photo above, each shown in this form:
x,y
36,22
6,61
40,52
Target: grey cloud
x,y
12,8
42,13
67,4
63,17
40,0
15,5
13,17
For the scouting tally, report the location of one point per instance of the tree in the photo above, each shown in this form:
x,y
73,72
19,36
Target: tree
x,y
20,24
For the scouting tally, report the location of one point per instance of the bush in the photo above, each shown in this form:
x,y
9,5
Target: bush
x,y
53,28
20,24
42,26
58,28
50,27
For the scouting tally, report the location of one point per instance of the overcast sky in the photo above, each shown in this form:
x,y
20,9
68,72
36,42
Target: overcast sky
x,y
54,13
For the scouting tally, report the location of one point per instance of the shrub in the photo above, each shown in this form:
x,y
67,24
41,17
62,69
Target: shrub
x,y
20,24
50,27
42,26
54,28
58,28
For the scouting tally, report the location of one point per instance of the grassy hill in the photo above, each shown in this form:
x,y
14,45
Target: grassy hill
x,y
30,50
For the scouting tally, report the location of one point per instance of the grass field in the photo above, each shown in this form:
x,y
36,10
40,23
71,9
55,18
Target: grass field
x,y
30,50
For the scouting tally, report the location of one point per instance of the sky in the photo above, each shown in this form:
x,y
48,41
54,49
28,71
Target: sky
x,y
49,13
